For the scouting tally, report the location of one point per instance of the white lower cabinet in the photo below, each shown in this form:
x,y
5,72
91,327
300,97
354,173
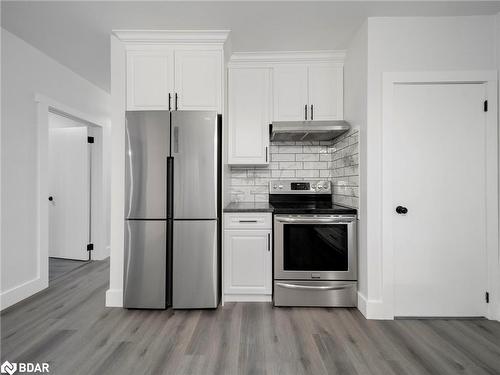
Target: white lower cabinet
x,y
248,261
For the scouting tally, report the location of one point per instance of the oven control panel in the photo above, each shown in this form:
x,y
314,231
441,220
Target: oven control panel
x,y
299,187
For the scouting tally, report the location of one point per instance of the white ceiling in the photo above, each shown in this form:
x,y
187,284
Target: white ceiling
x,y
77,33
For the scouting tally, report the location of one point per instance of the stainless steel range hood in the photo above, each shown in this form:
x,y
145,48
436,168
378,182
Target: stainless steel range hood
x,y
307,130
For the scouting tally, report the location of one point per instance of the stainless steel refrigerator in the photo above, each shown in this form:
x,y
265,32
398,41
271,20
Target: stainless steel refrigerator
x,y
172,209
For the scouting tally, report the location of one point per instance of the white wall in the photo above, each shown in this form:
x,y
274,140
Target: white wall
x,y
498,70
25,72
409,44
114,295
355,108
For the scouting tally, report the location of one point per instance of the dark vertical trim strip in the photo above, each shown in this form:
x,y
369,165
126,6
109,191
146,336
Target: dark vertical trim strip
x,y
219,206
170,187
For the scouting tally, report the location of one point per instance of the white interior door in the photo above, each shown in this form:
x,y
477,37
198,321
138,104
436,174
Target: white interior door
x,y
69,186
439,162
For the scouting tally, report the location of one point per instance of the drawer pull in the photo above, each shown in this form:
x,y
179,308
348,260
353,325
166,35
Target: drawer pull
x,y
247,221
318,287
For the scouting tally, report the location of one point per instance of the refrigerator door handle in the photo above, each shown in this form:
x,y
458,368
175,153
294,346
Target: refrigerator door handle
x,y
170,187
176,139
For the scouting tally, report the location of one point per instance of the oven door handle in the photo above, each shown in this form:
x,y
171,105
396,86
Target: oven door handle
x,y
313,221
318,287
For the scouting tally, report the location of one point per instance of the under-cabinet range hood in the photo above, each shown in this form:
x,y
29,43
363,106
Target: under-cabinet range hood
x,y
307,130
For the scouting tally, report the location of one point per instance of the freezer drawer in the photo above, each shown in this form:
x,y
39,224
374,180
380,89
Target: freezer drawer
x,y
147,148
315,293
195,164
145,266
195,265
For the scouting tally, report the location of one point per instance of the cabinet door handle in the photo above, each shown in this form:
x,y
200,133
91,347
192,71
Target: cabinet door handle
x,y
305,112
312,112
267,150
176,99
269,242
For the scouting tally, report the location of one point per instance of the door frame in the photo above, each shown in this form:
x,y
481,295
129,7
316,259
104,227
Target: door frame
x,y
45,105
489,78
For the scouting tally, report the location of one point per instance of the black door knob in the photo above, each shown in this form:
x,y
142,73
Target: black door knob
x,y
51,198
401,210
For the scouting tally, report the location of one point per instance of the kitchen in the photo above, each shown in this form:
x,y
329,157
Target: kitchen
x,y
291,148
277,188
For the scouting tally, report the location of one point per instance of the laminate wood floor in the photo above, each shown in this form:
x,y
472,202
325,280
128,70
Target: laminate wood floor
x,y
68,326
59,267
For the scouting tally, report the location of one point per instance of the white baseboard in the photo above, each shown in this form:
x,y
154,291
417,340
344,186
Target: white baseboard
x,y
247,298
114,298
493,310
20,292
102,254
362,304
372,309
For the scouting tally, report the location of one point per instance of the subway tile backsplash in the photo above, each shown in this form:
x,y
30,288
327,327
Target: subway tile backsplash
x,y
345,169
335,161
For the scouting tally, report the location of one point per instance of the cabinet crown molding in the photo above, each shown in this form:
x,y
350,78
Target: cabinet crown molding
x,y
269,58
172,36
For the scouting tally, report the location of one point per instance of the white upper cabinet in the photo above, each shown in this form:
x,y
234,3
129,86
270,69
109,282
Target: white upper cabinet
x,y
174,79
290,92
174,69
249,115
150,79
280,86
309,91
198,80
325,91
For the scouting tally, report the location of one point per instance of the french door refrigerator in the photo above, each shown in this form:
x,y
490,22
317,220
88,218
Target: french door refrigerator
x,y
172,209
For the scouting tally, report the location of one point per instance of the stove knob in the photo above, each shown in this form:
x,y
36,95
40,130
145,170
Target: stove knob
x,y
320,187
275,187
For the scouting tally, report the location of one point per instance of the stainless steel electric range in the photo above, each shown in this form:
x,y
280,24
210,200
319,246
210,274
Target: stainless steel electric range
x,y
315,252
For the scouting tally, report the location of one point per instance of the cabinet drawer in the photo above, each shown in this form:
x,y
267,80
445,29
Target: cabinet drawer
x,y
248,220
315,293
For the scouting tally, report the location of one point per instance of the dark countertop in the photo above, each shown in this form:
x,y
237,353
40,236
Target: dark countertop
x,y
248,207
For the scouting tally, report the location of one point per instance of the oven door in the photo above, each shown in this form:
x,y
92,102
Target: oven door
x,y
315,247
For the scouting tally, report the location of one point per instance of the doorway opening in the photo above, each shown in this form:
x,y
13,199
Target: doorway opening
x,y
73,173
